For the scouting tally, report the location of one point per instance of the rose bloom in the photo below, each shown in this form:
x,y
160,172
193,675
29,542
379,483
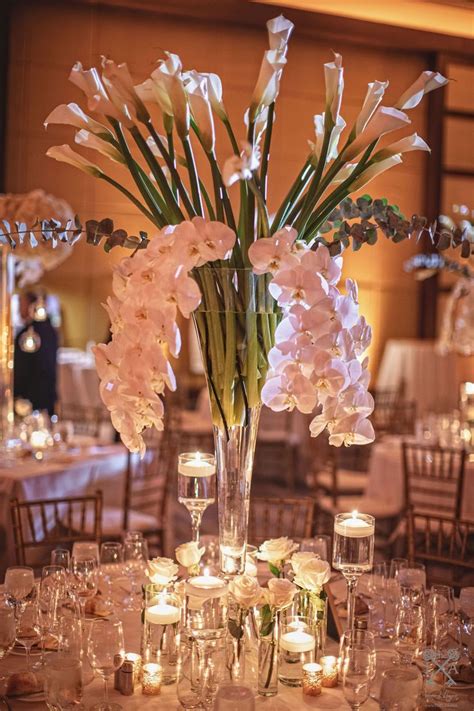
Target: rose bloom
x,y
189,554
277,549
297,559
246,590
312,574
280,593
162,570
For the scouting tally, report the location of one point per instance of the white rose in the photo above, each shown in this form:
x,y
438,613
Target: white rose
x,y
189,554
162,570
246,590
280,593
297,559
277,549
312,574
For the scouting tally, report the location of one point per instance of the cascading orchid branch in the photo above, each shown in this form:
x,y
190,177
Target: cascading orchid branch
x,y
283,333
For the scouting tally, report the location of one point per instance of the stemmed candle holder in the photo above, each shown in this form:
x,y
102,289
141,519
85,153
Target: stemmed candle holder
x,y
353,552
196,485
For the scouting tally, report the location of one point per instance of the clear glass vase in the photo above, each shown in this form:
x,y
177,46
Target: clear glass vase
x,y
313,607
235,323
236,643
268,659
7,283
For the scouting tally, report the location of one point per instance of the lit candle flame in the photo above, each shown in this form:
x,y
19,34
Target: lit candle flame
x,y
355,514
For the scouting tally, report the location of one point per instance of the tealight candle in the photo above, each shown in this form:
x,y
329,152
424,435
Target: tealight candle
x,y
136,660
329,665
297,642
162,614
354,526
151,679
312,679
197,465
206,586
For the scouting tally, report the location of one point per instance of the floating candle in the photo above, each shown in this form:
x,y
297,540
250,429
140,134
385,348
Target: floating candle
x,y
312,679
151,679
355,525
297,642
196,464
329,665
162,614
206,586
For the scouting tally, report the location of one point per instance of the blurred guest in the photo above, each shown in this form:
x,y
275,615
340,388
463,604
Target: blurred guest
x,y
35,369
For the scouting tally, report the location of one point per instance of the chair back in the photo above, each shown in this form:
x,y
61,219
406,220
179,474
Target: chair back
x,y
88,421
43,524
434,478
273,518
394,416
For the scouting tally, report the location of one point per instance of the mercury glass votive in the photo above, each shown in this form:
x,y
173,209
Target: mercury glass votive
x,y
329,665
151,679
312,679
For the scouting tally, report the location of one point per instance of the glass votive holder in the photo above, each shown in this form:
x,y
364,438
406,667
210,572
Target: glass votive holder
x,y
161,631
312,679
297,648
151,679
329,665
136,660
206,607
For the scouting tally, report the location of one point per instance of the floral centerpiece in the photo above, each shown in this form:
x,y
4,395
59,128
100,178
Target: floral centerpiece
x,y
274,327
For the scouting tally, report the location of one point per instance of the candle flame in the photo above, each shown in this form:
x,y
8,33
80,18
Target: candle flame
x,y
198,456
355,514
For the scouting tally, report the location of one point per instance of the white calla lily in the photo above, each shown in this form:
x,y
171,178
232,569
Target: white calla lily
x,y
426,82
168,78
119,84
65,154
374,96
375,169
279,32
334,77
268,82
384,120
404,145
214,91
319,129
89,81
241,167
196,88
90,140
73,115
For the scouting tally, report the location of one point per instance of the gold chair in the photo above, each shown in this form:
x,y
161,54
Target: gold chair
x,y
43,524
434,478
87,421
273,518
278,446
446,546
394,416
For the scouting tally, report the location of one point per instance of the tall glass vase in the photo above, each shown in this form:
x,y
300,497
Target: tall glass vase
x,y
235,324
7,283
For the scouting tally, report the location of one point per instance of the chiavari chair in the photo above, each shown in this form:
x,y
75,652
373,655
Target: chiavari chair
x,y
88,421
277,447
43,524
394,417
273,518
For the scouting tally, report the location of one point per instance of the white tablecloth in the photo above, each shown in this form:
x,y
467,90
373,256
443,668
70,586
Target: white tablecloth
x,y
76,473
430,379
386,481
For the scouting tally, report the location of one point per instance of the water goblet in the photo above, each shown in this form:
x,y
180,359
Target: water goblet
x,y
61,556
106,652
319,545
84,580
395,565
356,672
111,560
409,630
412,580
196,485
19,582
28,630
400,684
63,682
85,549
135,552
7,626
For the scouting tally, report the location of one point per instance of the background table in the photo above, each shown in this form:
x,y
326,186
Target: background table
x,y
73,473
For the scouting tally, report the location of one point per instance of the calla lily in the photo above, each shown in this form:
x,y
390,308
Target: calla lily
x,y
426,82
196,88
65,154
375,169
260,123
119,85
241,167
168,78
334,77
374,96
404,145
214,91
89,81
319,128
279,32
268,82
384,120
153,91
73,115
90,140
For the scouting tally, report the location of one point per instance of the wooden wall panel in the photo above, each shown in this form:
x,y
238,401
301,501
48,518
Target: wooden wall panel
x,y
47,39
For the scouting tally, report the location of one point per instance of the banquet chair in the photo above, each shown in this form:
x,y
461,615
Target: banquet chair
x,y
273,518
44,524
445,545
277,447
87,421
394,417
434,478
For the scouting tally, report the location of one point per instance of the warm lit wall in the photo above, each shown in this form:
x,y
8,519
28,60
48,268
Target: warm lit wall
x,y
47,40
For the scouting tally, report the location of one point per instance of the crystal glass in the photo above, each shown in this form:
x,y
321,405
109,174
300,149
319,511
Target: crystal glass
x,y
377,583
356,674
135,556
297,648
385,659
319,545
63,682
53,583
395,565
28,630
61,556
189,673
466,602
439,610
111,562
409,630
106,652
84,580
196,485
85,549
70,640
353,552
401,684
7,627
232,696
19,582
412,580
363,639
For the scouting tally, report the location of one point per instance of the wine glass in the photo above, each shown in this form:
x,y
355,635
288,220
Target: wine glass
x,y
85,549
439,608
319,545
412,580
28,630
7,626
400,684
61,556
409,630
63,682
111,559
84,580
395,565
106,653
357,670
196,485
377,589
135,553
19,582
360,638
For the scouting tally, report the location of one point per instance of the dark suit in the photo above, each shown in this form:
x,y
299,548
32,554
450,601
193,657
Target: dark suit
x,y
35,373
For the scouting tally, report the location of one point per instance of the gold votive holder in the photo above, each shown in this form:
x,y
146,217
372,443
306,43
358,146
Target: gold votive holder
x,y
151,679
312,679
136,660
329,665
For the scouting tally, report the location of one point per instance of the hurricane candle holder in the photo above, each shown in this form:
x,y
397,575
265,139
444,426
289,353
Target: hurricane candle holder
x,y
353,552
330,676
161,635
151,679
196,485
297,648
312,679
206,607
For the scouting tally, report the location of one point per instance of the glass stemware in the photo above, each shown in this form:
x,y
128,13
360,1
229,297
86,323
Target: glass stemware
x,y
377,584
84,580
135,554
106,652
357,670
7,627
409,630
196,485
111,560
19,582
400,685
85,549
61,556
63,682
28,630
319,545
